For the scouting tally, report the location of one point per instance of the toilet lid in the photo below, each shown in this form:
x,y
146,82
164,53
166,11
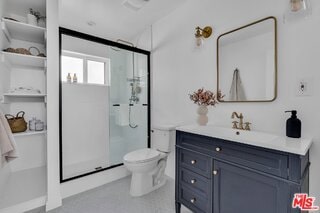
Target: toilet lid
x,y
141,155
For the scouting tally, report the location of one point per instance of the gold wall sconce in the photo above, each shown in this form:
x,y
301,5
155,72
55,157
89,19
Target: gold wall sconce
x,y
201,34
297,9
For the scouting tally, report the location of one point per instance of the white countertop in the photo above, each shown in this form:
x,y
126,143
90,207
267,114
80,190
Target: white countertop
x,y
298,146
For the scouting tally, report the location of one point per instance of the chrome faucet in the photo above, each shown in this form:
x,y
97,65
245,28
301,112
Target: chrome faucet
x,y
235,123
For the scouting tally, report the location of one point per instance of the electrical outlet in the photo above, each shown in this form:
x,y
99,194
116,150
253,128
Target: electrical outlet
x,y
304,87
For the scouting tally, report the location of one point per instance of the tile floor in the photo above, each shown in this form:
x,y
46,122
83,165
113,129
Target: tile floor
x,y
114,198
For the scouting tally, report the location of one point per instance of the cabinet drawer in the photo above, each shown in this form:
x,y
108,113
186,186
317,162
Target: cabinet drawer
x,y
194,201
265,160
195,162
255,158
195,181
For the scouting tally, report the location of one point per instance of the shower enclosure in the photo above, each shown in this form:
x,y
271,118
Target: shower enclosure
x,y
104,103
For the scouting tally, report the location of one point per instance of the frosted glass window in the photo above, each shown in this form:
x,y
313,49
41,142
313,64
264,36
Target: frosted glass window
x,y
96,72
73,66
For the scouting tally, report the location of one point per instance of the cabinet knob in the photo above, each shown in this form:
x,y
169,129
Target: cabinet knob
x,y
218,149
193,200
193,162
193,181
215,172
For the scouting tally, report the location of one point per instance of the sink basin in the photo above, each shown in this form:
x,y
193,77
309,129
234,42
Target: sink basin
x,y
236,135
261,139
254,136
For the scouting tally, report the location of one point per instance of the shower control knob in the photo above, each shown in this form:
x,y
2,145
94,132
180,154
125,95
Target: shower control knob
x,y
193,200
218,149
193,162
193,181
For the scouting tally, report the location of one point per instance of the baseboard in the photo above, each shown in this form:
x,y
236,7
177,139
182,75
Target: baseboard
x,y
86,183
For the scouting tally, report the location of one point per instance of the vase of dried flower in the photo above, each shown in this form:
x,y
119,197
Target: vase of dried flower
x,y
32,19
202,112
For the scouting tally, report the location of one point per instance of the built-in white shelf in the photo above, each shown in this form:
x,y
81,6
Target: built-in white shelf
x,y
14,97
24,95
24,190
22,31
29,133
84,84
20,60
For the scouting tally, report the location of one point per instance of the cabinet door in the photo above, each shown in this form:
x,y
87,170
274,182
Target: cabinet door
x,y
238,190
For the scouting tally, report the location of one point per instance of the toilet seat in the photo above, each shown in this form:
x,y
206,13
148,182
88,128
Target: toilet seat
x,y
141,155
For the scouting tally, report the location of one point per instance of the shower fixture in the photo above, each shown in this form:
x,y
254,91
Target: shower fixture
x,y
134,81
135,90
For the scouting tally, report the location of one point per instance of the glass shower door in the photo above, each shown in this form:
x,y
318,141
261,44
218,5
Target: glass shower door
x,y
104,104
128,103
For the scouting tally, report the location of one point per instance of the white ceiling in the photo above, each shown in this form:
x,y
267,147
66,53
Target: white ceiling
x,y
113,20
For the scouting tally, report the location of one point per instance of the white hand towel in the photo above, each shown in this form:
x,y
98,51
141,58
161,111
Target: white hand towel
x,y
122,115
8,147
237,92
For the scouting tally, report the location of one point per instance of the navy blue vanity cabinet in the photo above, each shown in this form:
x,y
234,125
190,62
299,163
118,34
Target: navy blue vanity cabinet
x,y
217,176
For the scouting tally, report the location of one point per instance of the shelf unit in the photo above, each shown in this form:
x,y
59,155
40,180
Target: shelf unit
x,y
29,133
24,185
20,60
22,31
12,97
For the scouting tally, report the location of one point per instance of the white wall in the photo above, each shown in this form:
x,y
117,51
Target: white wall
x,y
4,74
54,195
178,69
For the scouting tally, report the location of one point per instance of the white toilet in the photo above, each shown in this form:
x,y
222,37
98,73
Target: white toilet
x,y
148,165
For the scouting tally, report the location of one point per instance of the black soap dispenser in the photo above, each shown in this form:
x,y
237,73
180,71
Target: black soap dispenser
x,y
293,125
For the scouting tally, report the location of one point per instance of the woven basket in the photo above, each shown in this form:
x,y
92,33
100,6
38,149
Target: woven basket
x,y
17,123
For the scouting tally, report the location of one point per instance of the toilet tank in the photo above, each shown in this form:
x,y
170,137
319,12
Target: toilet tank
x,y
162,137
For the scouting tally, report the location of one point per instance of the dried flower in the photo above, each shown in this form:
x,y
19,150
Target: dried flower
x,y
36,14
205,97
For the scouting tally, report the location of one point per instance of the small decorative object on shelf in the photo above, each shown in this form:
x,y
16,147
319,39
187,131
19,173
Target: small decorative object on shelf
x,y
17,123
22,51
24,90
204,98
38,53
34,17
32,124
39,126
75,78
69,78
11,19
36,124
